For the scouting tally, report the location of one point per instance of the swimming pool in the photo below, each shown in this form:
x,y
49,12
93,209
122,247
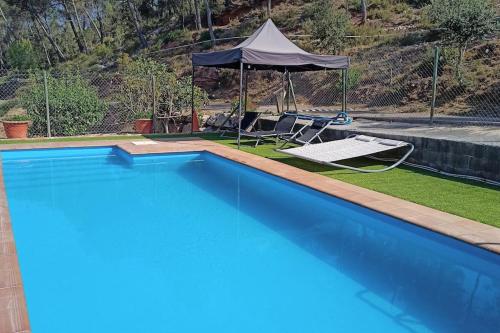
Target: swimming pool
x,y
194,242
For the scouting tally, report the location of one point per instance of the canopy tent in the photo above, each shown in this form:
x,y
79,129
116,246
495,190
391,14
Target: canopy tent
x,y
268,49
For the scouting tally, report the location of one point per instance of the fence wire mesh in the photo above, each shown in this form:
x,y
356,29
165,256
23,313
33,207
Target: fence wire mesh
x,y
394,82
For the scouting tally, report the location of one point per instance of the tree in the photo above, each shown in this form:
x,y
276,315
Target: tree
x,y
136,20
328,26
69,17
463,21
209,22
21,55
197,16
364,11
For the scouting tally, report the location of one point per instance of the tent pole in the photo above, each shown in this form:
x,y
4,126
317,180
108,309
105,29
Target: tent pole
x,y
239,106
192,101
288,92
344,90
283,92
293,93
246,90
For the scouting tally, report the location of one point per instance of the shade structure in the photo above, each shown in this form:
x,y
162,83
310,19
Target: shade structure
x,y
268,48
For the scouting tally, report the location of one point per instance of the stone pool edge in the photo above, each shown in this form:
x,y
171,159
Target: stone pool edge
x,y
13,309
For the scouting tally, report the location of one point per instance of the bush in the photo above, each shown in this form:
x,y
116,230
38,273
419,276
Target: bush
x,y
103,51
328,26
17,117
462,22
181,36
74,106
21,55
353,78
172,93
419,3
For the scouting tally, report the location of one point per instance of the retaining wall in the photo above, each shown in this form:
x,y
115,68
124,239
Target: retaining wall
x,y
457,157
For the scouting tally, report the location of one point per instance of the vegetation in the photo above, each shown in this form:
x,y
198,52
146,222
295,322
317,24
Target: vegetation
x,y
74,106
17,117
328,26
21,55
170,92
463,21
87,33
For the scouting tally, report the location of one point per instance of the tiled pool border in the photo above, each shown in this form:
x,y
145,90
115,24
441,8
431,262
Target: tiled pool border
x,y
13,310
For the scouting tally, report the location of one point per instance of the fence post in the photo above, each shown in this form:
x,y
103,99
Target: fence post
x,y
47,109
344,90
153,91
434,82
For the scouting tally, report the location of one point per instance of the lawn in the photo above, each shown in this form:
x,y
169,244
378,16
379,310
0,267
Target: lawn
x,y
469,199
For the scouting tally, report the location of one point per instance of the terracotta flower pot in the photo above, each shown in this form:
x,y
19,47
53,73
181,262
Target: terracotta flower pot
x,y
16,129
196,123
143,126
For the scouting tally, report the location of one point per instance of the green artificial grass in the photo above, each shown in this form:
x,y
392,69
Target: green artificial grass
x,y
473,200
469,199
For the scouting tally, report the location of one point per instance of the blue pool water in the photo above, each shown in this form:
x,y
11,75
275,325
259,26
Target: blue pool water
x,y
195,243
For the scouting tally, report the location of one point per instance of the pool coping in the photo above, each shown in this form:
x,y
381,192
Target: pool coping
x,y
13,309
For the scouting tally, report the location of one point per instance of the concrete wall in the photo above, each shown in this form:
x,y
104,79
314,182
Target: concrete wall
x,y
446,155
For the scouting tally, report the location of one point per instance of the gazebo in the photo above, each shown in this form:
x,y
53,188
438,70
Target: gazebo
x,y
268,49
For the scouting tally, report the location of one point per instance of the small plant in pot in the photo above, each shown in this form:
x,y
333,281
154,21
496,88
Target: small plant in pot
x,y
16,126
144,123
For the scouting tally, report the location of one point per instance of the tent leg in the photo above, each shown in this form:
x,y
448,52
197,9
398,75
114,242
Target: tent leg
x,y
239,106
288,91
192,101
344,90
283,92
246,91
293,93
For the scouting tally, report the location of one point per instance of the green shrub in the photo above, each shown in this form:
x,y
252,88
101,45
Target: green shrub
x,y
181,36
17,117
5,106
462,22
328,26
419,3
353,78
287,19
74,106
103,51
21,55
171,93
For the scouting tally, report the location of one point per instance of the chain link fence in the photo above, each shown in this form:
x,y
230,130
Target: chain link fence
x,y
82,103
421,82
386,82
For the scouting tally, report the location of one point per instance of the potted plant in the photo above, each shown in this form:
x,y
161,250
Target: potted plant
x,y
16,126
143,123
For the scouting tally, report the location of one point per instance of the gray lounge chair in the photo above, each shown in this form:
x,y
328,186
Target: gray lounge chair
x,y
328,153
247,123
309,132
284,126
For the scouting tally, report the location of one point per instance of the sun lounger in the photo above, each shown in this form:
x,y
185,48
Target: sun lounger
x,y
328,153
248,121
309,132
342,118
284,125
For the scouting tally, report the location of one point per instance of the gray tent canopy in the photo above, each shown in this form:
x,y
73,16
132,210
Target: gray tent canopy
x,y
268,49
